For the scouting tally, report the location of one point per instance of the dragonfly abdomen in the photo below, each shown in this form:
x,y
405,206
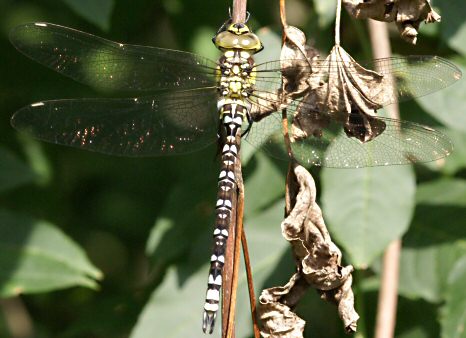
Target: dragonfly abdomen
x,y
232,115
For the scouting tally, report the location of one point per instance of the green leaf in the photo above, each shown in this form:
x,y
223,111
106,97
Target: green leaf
x,y
326,12
445,105
202,43
13,172
453,24
175,307
423,270
271,260
432,245
446,191
97,12
36,256
188,211
457,160
178,227
367,208
453,318
264,185
272,46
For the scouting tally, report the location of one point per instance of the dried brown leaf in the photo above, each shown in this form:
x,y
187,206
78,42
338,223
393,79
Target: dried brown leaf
x,y
342,90
318,263
407,14
295,53
276,317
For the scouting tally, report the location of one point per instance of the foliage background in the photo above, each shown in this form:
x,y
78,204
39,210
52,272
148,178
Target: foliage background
x,y
123,247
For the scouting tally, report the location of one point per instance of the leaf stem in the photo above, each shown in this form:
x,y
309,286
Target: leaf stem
x,y
337,23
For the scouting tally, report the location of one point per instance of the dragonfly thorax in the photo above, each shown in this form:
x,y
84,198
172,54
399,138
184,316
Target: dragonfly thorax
x,y
236,74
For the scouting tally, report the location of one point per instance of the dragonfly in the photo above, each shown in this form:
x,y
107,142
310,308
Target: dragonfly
x,y
177,102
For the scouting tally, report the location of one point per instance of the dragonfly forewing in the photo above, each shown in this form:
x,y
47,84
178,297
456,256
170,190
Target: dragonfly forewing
x,y
413,76
105,64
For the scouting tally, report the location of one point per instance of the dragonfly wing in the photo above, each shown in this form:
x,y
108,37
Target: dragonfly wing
x,y
415,75
105,64
267,135
407,77
163,124
397,142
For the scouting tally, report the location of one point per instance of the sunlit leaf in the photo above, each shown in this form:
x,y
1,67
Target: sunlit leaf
x,y
264,185
35,256
174,309
457,160
326,12
445,105
367,208
447,191
453,319
433,244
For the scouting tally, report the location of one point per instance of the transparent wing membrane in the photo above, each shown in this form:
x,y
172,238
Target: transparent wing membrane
x,y
163,124
175,109
399,142
413,76
105,64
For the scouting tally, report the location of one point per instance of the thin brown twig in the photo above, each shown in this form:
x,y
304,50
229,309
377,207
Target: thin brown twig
x,y
337,23
239,11
17,318
228,272
286,134
387,303
237,251
252,296
283,14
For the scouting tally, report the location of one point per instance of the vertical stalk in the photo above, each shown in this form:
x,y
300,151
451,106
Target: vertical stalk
x,y
252,296
239,11
17,319
388,294
337,23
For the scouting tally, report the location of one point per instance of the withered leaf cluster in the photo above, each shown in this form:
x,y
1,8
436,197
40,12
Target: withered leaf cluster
x,y
336,88
407,14
318,262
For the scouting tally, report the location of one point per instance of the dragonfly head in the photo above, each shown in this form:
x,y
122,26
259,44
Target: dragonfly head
x,y
237,36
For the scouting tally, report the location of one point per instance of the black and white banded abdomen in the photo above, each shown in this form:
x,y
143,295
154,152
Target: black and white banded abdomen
x,y
232,114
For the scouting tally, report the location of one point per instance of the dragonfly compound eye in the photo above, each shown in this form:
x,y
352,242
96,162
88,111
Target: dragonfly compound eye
x,y
248,43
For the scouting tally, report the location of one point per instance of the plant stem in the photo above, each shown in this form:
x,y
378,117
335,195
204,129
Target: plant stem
x,y
237,251
388,294
337,23
252,296
239,11
17,318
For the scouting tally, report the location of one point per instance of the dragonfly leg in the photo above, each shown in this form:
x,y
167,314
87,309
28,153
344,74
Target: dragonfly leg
x,y
248,129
